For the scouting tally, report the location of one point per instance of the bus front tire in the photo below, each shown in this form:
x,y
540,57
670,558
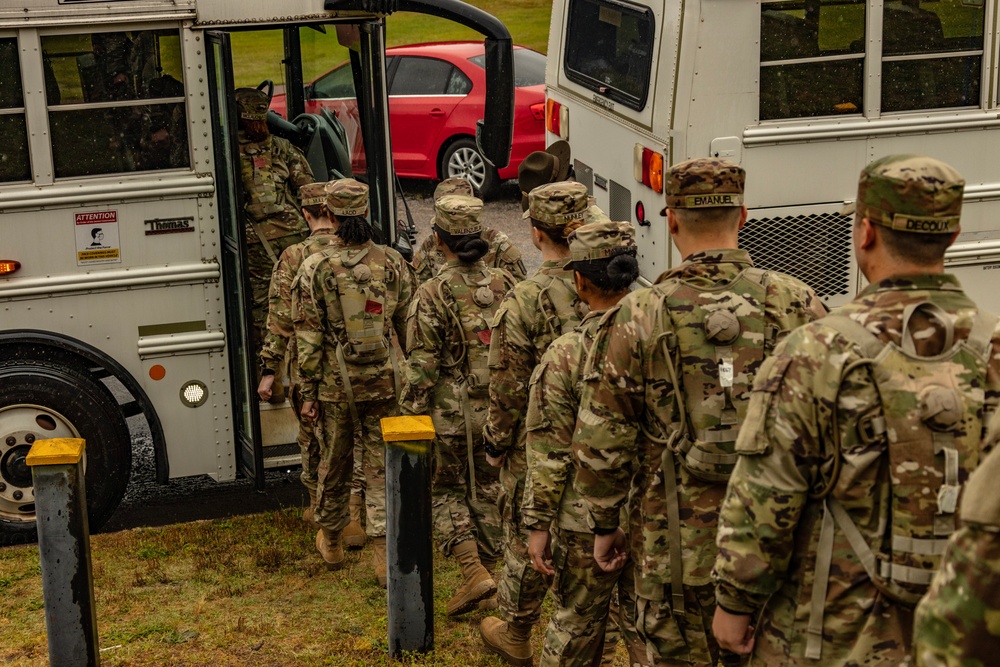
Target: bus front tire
x,y
41,399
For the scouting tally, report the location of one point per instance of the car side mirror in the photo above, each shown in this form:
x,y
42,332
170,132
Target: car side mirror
x,y
307,91
495,132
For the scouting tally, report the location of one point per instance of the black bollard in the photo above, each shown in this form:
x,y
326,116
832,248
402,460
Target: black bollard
x,y
64,551
409,542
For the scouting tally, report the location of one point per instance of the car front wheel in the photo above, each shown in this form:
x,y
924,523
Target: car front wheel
x,y
463,160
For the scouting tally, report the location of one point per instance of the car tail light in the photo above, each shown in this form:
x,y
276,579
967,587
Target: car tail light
x,y
538,111
557,119
647,167
8,266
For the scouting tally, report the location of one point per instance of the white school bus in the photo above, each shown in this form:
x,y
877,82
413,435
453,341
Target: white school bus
x,y
124,295
801,93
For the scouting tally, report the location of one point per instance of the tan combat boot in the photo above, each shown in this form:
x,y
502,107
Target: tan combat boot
x,y
511,641
330,548
354,534
379,560
477,583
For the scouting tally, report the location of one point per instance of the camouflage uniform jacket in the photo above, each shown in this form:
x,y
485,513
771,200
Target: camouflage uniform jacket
x,y
433,340
319,325
279,311
273,171
526,325
553,400
956,622
503,254
769,524
630,394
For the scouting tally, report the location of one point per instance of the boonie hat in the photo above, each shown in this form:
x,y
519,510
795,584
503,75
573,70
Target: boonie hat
x,y
458,215
541,167
251,103
312,194
453,186
346,197
911,193
600,240
557,204
704,183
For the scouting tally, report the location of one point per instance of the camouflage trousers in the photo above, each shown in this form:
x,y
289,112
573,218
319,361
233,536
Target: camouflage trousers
x,y
358,476
594,608
336,464
521,589
260,266
677,644
308,444
462,512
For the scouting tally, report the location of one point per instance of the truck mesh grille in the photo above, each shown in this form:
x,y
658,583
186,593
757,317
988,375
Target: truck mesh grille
x,y
815,248
619,201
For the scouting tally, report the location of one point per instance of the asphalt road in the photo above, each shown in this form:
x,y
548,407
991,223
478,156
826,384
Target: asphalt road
x,y
147,503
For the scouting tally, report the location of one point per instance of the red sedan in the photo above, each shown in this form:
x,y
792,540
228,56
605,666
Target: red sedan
x,y
436,95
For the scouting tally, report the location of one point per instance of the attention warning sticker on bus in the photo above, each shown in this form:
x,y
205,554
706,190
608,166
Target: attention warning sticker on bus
x,y
97,238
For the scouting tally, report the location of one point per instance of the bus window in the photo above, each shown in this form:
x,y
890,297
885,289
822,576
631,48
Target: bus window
x,y
932,54
14,152
609,49
120,102
812,56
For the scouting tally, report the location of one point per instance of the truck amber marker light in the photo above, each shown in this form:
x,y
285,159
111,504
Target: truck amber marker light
x,y
8,266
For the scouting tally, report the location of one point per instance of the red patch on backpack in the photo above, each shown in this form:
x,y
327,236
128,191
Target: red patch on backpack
x,y
373,307
259,162
486,335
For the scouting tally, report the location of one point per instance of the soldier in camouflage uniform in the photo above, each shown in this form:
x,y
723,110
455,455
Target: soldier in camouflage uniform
x,y
448,334
502,253
346,300
604,265
956,621
670,372
533,314
279,326
862,428
273,171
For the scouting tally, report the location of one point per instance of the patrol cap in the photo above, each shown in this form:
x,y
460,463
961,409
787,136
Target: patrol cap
x,y
458,214
600,240
313,194
252,103
558,204
911,193
346,197
541,167
595,214
453,186
704,183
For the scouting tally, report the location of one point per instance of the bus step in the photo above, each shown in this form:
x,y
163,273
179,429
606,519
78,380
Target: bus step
x,y
282,456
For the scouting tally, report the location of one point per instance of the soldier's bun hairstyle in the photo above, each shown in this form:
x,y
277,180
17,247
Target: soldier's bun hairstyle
x,y
468,247
354,230
256,130
611,275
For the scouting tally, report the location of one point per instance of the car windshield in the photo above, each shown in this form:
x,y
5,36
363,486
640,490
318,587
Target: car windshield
x,y
529,67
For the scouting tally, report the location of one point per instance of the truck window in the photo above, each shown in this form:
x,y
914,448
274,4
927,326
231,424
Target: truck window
x,y
609,49
932,54
14,165
812,55
117,104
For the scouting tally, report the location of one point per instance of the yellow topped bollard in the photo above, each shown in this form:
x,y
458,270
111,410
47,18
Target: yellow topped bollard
x,y
409,533
64,551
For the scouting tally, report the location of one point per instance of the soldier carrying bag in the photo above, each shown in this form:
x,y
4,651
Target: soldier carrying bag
x,y
931,423
473,312
712,340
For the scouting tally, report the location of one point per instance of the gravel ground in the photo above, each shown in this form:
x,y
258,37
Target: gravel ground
x,y
147,503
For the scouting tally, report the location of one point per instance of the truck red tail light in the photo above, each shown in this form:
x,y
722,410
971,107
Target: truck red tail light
x,y
647,167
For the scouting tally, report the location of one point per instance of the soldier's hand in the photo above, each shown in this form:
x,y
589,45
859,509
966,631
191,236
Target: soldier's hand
x,y
733,631
538,550
309,411
496,461
611,550
264,388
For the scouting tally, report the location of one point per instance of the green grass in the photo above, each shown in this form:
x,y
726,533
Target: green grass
x,y
257,55
249,590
